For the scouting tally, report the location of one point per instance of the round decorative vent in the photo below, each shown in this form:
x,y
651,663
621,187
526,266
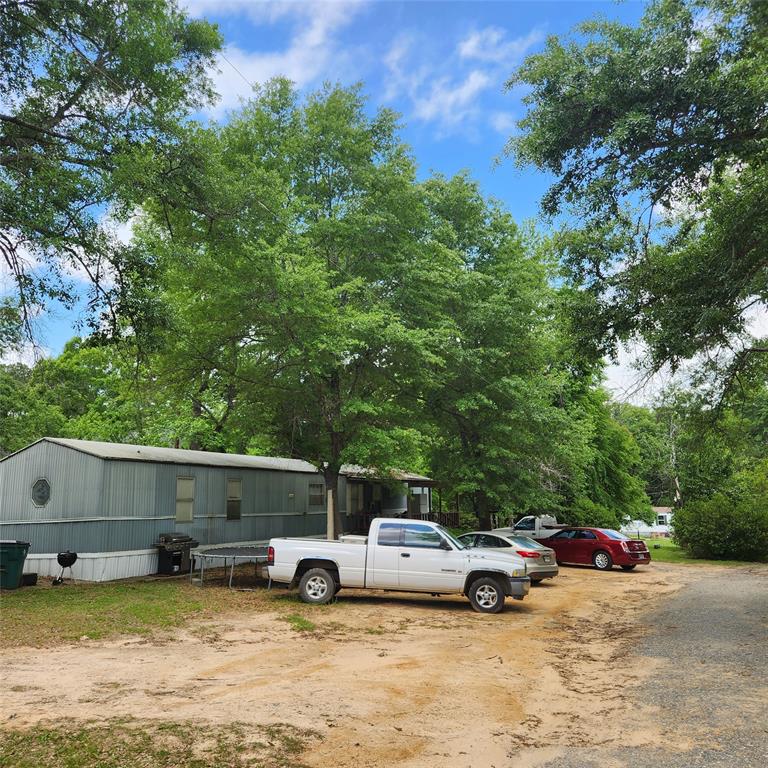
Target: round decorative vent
x,y
41,492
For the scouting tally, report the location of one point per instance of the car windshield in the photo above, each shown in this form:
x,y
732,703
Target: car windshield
x,y
614,534
456,543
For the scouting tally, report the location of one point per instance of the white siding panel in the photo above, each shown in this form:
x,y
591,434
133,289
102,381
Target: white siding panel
x,y
97,566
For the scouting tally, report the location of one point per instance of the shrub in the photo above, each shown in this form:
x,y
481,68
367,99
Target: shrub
x,y
724,528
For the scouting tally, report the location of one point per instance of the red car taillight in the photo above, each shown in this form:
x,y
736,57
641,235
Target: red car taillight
x,y
270,555
525,553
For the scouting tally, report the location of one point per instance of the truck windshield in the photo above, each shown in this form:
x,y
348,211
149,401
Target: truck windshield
x,y
456,543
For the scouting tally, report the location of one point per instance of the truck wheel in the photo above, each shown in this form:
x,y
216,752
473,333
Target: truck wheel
x,y
602,561
486,595
317,586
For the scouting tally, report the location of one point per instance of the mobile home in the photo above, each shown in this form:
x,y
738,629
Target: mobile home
x,y
109,502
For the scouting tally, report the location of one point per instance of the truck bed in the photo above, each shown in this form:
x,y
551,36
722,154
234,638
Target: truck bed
x,y
350,558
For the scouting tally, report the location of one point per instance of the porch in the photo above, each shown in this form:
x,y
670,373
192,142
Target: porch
x,y
407,496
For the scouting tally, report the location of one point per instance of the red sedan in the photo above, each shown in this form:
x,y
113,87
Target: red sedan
x,y
599,547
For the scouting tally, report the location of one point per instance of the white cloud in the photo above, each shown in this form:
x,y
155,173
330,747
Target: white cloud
x,y
123,230
757,320
448,100
28,355
492,45
259,11
503,122
628,379
448,89
313,51
451,102
401,77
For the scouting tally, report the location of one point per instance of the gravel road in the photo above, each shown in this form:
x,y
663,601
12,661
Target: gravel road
x,y
709,690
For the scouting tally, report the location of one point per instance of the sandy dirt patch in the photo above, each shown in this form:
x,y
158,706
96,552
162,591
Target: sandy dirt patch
x,y
387,680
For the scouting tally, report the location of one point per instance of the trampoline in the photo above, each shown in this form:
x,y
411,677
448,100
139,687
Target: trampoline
x,y
242,554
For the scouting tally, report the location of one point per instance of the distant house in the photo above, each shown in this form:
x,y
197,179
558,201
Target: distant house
x,y
109,502
661,526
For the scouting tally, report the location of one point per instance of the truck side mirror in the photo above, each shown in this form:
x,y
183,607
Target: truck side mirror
x,y
445,545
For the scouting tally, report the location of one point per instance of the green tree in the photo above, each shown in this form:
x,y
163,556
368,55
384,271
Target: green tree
x,y
655,432
611,489
712,445
94,386
302,239
24,416
657,137
732,523
490,397
90,89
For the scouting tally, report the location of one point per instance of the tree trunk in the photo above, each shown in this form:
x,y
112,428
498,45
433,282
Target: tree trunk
x,y
333,520
482,511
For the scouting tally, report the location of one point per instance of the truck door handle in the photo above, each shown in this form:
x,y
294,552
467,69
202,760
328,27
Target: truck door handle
x,y
405,554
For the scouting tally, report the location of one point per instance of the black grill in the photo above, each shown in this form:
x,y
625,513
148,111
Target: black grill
x,y
173,550
175,542
65,560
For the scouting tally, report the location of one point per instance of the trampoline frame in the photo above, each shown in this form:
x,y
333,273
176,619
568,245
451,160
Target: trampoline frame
x,y
256,555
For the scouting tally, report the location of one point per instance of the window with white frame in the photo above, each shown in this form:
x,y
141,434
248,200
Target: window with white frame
x,y
185,499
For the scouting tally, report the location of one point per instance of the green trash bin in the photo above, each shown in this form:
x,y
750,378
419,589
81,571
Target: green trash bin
x,y
12,557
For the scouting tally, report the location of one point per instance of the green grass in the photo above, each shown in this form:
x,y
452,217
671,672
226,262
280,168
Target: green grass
x,y
44,615
299,623
669,552
153,744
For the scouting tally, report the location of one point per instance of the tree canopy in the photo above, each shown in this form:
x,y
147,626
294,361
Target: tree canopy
x,y
302,240
657,136
315,299
89,89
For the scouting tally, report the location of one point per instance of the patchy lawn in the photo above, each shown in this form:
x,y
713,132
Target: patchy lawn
x,y
669,552
46,615
152,744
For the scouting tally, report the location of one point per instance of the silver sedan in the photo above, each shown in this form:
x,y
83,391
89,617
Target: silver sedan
x,y
540,561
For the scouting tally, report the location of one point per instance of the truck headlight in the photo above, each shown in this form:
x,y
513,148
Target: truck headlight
x,y
518,573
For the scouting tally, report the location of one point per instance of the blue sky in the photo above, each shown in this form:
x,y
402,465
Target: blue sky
x,y
441,65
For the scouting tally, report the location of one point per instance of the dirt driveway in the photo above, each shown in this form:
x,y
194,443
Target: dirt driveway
x,y
387,681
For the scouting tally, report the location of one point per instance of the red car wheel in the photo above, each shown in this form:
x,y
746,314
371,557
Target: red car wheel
x,y
602,560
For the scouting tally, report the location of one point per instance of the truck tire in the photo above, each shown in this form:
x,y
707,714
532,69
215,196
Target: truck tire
x,y
486,595
317,586
602,560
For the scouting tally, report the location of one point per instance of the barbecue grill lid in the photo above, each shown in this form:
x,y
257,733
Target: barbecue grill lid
x,y
173,538
67,559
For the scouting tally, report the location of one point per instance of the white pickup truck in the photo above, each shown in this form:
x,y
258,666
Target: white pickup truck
x,y
533,526
401,555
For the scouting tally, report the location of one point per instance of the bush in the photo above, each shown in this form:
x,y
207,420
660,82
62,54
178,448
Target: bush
x,y
724,528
